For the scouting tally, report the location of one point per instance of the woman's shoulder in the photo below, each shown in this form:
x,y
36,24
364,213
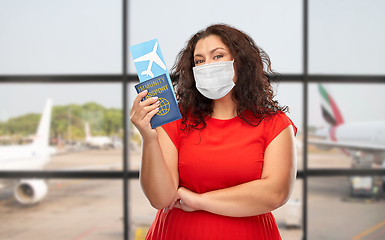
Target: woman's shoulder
x,y
270,121
273,125
265,117
280,120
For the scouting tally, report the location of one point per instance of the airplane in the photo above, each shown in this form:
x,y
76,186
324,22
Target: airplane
x,y
152,57
30,157
364,142
97,142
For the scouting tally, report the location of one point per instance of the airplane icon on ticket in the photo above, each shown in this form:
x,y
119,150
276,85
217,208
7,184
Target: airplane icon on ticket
x,y
152,57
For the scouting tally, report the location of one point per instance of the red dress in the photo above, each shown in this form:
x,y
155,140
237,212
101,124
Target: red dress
x,y
224,154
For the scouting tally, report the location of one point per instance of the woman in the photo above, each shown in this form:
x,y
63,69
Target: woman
x,y
219,171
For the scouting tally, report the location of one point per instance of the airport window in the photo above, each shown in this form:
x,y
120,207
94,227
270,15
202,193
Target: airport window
x,y
77,54
285,50
347,112
344,37
72,209
81,121
289,216
333,208
61,37
290,94
141,213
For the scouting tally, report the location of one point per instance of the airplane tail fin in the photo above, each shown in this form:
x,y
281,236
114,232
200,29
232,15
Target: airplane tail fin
x,y
330,110
42,135
148,73
87,129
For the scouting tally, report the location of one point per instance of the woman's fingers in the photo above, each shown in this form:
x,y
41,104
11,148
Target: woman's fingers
x,y
178,204
171,206
182,205
138,103
138,100
143,110
150,111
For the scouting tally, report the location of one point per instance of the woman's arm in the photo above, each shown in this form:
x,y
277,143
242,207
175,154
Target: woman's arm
x,y
159,169
255,197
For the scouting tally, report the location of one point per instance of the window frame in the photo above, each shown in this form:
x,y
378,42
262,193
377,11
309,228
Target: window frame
x,y
126,175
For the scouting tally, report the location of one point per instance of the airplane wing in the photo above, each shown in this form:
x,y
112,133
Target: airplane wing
x,y
153,56
145,57
159,61
356,146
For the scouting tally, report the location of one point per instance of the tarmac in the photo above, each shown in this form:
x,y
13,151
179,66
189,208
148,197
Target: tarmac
x,y
85,209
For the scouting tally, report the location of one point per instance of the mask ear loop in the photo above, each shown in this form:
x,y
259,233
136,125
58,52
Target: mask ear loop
x,y
235,82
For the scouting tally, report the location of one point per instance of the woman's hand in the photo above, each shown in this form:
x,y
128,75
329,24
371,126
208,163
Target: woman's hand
x,y
142,112
186,200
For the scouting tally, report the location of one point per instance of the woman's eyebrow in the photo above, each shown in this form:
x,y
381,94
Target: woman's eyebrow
x,y
212,51
198,55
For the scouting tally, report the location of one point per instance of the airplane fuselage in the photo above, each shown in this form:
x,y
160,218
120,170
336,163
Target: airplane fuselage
x,y
363,132
26,157
361,138
100,142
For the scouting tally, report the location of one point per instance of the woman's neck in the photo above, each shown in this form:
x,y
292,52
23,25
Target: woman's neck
x,y
224,108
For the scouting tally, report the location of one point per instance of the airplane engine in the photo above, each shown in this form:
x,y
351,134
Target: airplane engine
x,y
30,191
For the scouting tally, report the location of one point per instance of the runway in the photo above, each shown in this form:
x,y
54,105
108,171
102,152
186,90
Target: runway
x,y
84,209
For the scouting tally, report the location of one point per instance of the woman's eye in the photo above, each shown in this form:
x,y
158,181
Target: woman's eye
x,y
198,62
218,56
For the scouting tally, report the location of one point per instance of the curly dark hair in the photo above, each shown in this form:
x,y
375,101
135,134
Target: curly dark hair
x,y
252,92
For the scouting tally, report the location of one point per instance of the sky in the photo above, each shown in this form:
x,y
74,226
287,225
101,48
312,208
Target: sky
x,y
55,37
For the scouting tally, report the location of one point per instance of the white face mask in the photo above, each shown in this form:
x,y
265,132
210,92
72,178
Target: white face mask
x,y
214,80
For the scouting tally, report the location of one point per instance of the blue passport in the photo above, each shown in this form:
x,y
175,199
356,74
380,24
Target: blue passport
x,y
168,109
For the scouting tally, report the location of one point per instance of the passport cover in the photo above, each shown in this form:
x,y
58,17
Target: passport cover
x,y
168,109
